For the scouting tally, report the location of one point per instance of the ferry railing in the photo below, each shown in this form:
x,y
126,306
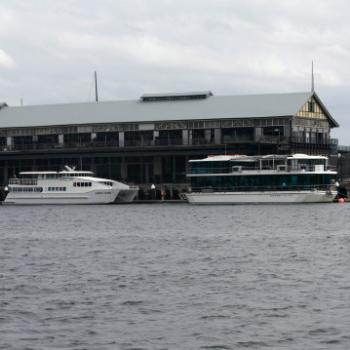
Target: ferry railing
x,y
219,170
230,170
276,169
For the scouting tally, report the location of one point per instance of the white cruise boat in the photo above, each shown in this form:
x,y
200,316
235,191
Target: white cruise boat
x,y
66,187
239,179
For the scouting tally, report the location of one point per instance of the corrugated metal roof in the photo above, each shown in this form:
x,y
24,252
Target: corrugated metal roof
x,y
213,107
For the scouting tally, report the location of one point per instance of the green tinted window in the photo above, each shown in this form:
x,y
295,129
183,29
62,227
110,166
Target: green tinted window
x,y
261,182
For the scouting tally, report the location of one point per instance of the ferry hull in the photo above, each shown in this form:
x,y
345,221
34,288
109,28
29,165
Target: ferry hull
x,y
126,196
287,197
91,197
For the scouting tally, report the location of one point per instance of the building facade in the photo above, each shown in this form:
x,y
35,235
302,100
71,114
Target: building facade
x,y
150,140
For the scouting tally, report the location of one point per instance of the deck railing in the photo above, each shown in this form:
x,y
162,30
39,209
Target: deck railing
x,y
196,141
311,187
230,170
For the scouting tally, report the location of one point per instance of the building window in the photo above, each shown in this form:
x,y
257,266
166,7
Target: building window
x,y
311,107
276,131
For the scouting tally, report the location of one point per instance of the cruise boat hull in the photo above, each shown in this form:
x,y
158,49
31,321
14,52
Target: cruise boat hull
x,y
275,197
126,195
91,197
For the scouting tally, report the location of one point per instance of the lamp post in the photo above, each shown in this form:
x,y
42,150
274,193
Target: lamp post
x,y
339,166
153,191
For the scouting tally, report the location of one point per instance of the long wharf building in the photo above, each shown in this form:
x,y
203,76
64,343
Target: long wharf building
x,y
150,140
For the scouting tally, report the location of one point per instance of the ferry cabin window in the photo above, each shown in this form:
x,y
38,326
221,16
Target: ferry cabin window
x,y
26,189
80,174
269,164
211,167
82,184
259,182
107,183
215,167
305,163
57,189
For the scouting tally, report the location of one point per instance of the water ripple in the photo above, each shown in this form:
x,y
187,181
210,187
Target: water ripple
x,y
174,277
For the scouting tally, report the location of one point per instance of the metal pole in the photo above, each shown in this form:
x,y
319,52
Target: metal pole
x,y
312,77
96,91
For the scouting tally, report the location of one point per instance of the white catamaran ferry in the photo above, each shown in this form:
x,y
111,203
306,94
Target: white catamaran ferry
x,y
66,187
238,179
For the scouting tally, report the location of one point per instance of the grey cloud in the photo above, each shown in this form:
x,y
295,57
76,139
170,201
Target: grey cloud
x,y
140,46
6,60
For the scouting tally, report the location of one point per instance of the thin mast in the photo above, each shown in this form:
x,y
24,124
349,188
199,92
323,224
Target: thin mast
x,y
96,91
312,77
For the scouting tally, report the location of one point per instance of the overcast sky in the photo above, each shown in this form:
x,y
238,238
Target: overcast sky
x,y
49,49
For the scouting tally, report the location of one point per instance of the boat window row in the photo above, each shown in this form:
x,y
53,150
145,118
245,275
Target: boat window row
x,y
57,189
262,182
21,181
216,167
54,175
26,189
107,183
77,174
82,184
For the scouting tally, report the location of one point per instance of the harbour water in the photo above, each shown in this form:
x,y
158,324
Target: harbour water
x,y
165,276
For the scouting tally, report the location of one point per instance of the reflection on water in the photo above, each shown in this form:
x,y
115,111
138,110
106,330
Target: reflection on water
x,y
175,277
